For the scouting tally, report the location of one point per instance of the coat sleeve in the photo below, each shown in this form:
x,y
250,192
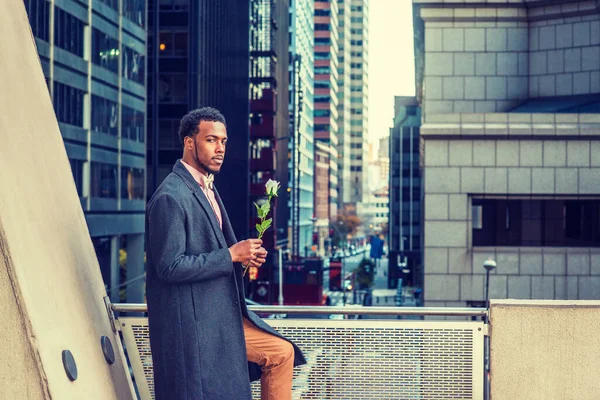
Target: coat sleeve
x,y
166,241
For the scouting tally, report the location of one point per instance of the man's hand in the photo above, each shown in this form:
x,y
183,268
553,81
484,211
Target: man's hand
x,y
247,250
260,258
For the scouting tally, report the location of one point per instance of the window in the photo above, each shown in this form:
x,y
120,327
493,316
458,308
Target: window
x,y
322,27
135,11
173,5
322,84
550,223
105,50
257,147
132,124
322,41
68,32
68,104
173,43
322,113
103,180
323,12
132,183
38,12
172,88
77,169
322,70
133,65
105,115
112,3
322,56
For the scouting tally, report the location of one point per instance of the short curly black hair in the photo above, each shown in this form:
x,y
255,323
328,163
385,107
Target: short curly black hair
x,y
190,122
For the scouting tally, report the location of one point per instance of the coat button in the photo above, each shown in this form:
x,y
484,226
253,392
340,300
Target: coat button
x,y
235,303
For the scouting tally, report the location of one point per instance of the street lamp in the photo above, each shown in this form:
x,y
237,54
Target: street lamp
x,y
489,265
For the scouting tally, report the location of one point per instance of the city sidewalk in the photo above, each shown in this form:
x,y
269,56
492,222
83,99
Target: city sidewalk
x,y
382,296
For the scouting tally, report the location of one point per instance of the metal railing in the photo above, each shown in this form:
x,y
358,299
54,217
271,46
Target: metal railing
x,y
358,358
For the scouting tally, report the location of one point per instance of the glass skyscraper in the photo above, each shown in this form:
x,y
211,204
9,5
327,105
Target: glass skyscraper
x,y
94,63
301,143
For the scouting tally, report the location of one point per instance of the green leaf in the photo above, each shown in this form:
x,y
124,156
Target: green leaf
x,y
265,209
258,228
257,207
266,224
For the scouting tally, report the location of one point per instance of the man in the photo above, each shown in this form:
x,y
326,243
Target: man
x,y
202,335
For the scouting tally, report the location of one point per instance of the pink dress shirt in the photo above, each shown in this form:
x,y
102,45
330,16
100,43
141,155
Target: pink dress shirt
x,y
208,192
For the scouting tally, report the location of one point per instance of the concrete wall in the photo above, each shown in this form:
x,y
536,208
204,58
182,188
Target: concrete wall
x,y
479,58
564,50
473,64
482,58
472,155
544,350
50,281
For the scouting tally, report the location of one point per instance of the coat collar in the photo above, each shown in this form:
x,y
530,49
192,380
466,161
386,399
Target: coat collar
x,y
180,170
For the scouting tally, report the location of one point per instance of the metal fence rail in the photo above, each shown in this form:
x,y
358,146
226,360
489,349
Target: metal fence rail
x,y
349,310
359,359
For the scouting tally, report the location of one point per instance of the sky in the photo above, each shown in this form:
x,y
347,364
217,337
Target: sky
x,y
391,62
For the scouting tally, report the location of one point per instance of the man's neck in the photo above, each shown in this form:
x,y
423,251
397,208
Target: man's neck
x,y
192,163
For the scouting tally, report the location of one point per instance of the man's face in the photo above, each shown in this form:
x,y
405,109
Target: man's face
x,y
208,146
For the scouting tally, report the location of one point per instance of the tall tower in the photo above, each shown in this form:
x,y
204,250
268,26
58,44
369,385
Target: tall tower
x,y
343,105
326,114
359,88
301,137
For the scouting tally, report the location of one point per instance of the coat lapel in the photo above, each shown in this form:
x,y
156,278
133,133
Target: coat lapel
x,y
231,240
227,229
188,179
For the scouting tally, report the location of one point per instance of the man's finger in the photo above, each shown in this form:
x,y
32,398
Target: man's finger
x,y
253,263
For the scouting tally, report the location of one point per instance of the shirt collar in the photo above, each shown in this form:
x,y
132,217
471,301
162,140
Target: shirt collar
x,y
197,175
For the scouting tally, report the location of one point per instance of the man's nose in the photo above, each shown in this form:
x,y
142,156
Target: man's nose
x,y
220,147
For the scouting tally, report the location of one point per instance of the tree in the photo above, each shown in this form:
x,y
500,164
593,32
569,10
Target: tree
x,y
348,224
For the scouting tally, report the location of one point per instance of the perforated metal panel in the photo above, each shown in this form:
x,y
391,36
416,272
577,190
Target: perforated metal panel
x,y
363,359
137,346
393,359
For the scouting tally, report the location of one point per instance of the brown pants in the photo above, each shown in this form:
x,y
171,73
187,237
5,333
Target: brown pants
x,y
276,359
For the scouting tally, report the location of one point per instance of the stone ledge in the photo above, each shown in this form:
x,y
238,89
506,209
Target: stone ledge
x,y
512,124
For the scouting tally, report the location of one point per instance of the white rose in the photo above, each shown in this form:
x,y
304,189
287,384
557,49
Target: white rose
x,y
272,187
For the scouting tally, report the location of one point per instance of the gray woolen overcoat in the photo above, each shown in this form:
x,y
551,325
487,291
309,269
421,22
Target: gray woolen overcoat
x,y
196,297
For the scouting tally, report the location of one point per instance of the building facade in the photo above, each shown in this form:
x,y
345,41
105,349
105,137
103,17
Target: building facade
x,y
269,111
374,211
323,176
199,56
301,145
269,122
359,96
383,158
511,149
94,62
343,107
326,92
405,228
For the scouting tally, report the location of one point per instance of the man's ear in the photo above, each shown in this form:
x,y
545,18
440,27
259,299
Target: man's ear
x,y
188,142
